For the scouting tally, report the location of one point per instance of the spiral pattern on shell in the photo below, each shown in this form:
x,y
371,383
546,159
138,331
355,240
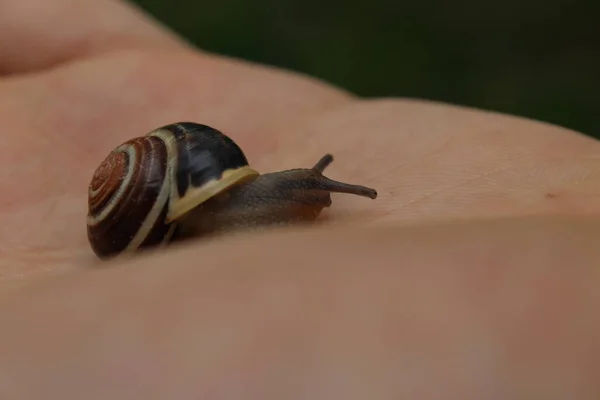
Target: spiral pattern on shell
x,y
145,186
129,197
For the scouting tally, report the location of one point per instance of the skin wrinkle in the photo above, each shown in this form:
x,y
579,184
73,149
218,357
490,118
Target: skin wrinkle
x,y
456,185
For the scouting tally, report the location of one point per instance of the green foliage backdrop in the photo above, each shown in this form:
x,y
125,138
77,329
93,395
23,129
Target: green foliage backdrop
x,y
535,58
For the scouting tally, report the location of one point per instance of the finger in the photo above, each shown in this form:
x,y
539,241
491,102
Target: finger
x,y
38,34
496,310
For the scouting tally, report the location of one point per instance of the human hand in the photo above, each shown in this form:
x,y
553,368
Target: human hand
x,y
80,77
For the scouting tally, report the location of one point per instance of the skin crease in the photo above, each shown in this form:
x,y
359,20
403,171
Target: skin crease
x,y
471,276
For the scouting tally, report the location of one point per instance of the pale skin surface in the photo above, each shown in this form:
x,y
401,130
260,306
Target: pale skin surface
x,y
392,300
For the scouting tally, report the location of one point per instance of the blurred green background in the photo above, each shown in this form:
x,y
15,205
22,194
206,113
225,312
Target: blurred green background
x,y
534,58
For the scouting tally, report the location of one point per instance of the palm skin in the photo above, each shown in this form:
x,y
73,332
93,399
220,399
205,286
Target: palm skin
x,y
427,161
82,95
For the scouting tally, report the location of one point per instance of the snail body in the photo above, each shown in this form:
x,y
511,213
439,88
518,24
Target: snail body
x,y
276,198
188,179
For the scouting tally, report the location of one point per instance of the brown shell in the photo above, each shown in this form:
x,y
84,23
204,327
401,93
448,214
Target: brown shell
x,y
128,198
145,185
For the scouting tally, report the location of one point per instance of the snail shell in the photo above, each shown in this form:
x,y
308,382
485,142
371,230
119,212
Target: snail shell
x,y
145,185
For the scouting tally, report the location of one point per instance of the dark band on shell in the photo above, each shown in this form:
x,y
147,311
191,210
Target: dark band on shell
x,y
204,153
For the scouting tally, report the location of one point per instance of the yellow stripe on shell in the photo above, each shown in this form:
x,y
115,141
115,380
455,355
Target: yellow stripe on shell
x,y
152,216
198,195
172,158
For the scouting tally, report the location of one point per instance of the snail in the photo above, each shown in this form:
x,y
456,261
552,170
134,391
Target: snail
x,y
188,179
